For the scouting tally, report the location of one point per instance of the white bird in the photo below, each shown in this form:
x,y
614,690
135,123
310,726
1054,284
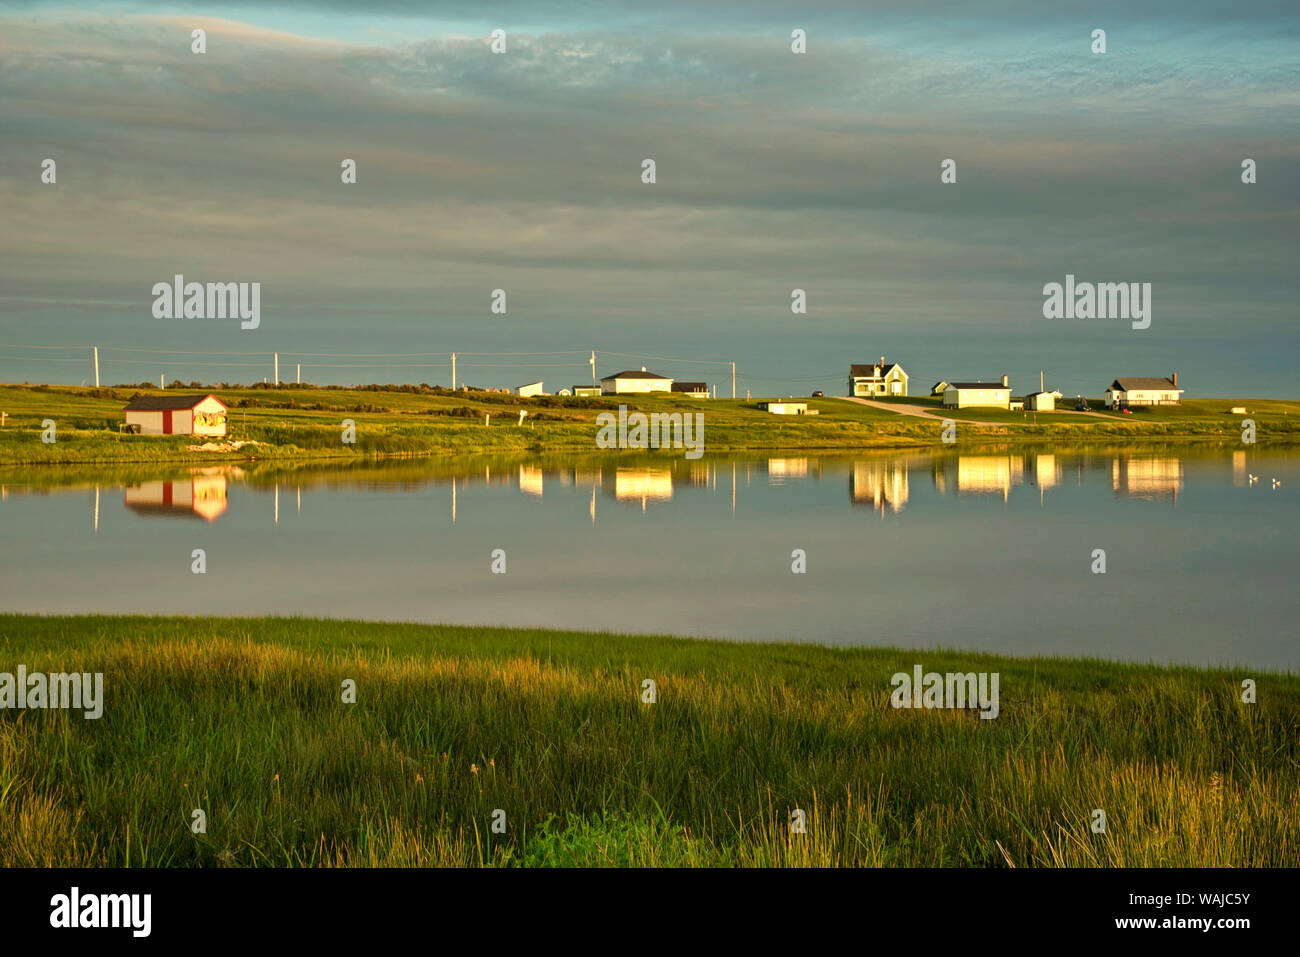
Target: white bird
x,y
1276,483
1254,479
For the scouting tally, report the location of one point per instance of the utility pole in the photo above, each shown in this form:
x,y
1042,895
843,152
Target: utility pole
x,y
300,373
162,381
96,348
453,372
592,360
277,370
733,380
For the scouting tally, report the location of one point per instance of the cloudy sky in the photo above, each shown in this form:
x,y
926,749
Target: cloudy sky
x,y
775,171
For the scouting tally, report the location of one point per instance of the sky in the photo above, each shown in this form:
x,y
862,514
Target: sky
x,y
522,171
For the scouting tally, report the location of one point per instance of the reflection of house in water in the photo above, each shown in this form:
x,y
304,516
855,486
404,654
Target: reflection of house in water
x,y
879,483
1046,470
988,474
778,470
1148,478
644,485
530,480
203,496
699,474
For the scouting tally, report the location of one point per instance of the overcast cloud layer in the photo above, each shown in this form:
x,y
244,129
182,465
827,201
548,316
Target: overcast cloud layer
x,y
775,171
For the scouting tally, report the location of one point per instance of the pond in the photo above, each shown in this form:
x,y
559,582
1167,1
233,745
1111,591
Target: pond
x,y
991,551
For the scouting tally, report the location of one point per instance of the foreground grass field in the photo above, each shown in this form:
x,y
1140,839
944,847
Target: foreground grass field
x,y
243,718
305,422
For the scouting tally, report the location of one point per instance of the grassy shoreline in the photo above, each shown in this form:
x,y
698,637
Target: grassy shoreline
x,y
243,718
302,423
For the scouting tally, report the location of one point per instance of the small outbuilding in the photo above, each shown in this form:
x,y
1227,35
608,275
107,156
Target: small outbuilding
x,y
786,408
987,395
177,415
1040,402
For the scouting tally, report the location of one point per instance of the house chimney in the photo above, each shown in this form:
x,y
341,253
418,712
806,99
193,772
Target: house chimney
x,y
882,362
1175,378
643,368
1006,383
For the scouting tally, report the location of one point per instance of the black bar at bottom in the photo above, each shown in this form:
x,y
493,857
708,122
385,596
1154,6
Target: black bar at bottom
x,y
331,907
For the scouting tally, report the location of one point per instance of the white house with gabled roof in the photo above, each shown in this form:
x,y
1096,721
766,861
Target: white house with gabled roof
x,y
631,382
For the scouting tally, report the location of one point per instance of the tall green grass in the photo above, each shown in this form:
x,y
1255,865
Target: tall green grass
x,y
243,718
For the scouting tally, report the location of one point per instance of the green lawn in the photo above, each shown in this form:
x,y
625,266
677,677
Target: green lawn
x,y
243,718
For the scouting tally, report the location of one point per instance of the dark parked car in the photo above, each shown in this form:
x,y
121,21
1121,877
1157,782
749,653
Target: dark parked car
x,y
1081,406
817,394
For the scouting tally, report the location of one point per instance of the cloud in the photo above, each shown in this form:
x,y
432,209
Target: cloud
x,y
773,169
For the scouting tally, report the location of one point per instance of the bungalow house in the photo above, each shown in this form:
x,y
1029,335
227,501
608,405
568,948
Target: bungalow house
x,y
1131,391
786,408
877,379
696,390
623,383
586,391
531,388
938,387
176,415
974,395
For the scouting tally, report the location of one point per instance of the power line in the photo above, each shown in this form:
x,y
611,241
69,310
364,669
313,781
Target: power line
x,y
11,345
630,355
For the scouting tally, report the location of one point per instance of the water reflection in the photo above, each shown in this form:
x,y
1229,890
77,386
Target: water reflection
x,y
778,470
886,483
201,496
880,484
641,485
1148,478
417,533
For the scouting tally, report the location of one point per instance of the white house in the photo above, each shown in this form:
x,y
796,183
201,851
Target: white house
x,y
531,388
975,395
586,391
879,379
177,414
1139,391
696,390
786,408
641,382
1041,402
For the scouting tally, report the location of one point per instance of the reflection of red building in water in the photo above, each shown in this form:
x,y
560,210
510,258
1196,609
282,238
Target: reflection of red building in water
x,y
203,496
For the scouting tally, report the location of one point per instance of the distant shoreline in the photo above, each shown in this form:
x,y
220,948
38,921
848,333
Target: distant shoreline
x,y
301,423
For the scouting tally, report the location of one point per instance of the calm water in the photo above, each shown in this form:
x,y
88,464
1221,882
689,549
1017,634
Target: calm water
x,y
984,552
